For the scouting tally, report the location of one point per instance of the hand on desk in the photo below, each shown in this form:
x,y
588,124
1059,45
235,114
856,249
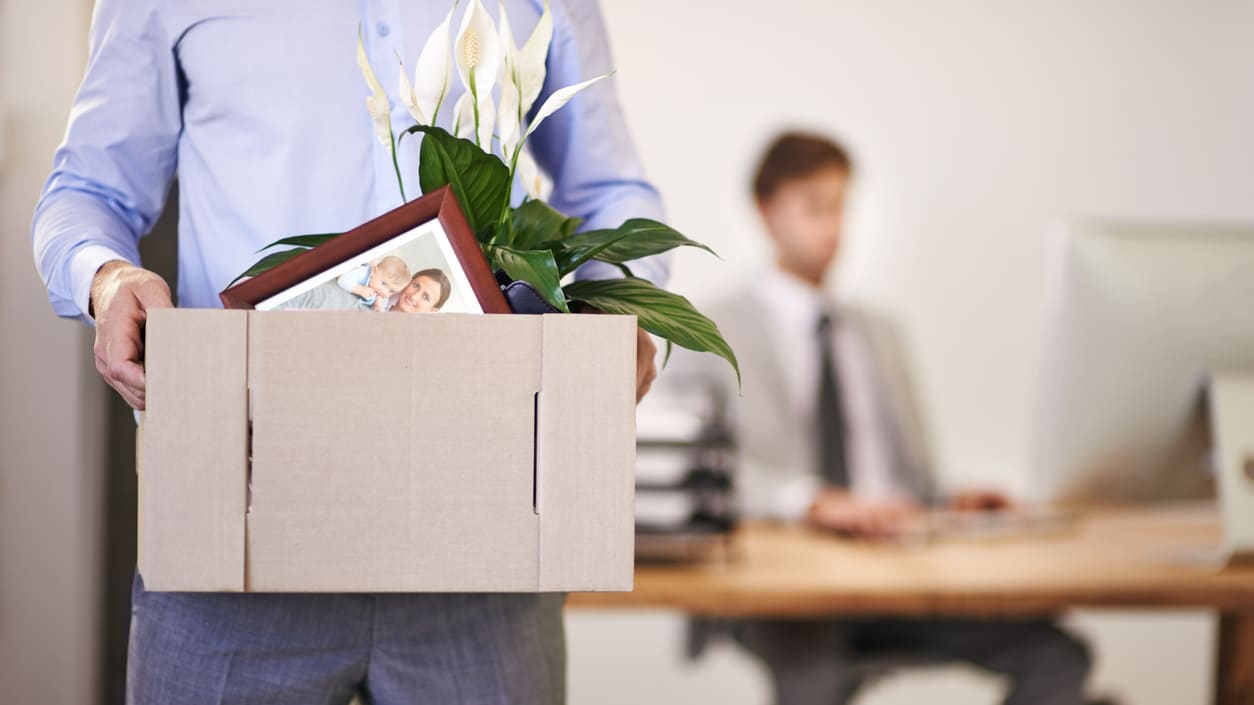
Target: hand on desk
x,y
838,510
981,501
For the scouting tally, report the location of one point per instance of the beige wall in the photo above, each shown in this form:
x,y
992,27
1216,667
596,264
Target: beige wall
x,y
50,407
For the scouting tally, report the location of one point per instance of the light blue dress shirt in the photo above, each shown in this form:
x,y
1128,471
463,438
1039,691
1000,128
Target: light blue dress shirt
x,y
260,107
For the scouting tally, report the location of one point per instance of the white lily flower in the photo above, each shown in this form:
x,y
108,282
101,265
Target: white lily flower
x,y
432,76
378,105
464,112
522,75
509,50
487,120
531,60
477,52
509,117
529,174
408,97
464,118
560,98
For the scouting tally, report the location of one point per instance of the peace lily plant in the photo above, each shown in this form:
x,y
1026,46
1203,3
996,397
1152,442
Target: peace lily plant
x,y
531,242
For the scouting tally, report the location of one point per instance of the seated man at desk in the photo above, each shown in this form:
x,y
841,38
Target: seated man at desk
x,y
828,435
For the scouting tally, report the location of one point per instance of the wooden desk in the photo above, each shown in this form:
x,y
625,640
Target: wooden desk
x,y
1112,558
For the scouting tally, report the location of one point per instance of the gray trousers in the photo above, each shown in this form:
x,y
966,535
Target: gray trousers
x,y
220,649
824,662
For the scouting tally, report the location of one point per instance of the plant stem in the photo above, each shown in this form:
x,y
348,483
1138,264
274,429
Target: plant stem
x,y
474,100
505,220
396,165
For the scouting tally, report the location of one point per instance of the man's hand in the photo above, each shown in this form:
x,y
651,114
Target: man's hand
x,y
980,501
121,296
838,510
646,366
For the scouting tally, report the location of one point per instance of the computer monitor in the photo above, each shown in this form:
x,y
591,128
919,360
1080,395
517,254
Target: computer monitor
x,y
1143,316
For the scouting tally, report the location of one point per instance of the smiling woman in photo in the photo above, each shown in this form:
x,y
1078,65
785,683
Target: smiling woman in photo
x,y
427,292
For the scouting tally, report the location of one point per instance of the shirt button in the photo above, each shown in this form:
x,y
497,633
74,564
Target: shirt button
x,y
383,29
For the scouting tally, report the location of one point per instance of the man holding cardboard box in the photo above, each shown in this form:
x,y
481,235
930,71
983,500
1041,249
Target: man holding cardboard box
x,y
258,108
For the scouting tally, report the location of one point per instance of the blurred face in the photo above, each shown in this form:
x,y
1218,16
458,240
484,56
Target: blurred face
x,y
805,218
420,296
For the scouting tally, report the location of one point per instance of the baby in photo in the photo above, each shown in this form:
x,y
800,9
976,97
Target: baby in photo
x,y
374,284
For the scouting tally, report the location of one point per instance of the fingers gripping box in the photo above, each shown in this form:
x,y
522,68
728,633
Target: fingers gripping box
x,y
319,451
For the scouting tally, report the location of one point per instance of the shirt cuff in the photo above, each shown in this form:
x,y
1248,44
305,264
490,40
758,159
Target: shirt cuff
x,y
84,264
793,499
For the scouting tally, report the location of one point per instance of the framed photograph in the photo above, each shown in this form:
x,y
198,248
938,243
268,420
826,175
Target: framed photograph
x,y
419,258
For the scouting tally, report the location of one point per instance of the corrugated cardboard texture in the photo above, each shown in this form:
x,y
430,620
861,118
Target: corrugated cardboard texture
x,y
392,452
586,451
194,452
388,453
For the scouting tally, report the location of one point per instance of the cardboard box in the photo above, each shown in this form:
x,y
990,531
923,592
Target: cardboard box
x,y
320,451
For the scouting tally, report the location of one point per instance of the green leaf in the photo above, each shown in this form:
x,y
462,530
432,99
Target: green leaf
x,y
634,239
480,180
662,313
485,234
302,240
270,261
536,267
537,226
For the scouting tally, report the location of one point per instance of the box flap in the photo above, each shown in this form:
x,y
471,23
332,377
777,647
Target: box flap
x,y
192,490
392,453
586,452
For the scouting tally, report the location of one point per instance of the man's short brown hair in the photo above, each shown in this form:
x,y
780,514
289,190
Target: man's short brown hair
x,y
796,155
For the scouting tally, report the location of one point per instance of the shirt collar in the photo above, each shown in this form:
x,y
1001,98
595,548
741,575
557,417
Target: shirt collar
x,y
792,302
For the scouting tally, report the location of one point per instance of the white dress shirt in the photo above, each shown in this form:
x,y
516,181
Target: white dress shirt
x,y
794,309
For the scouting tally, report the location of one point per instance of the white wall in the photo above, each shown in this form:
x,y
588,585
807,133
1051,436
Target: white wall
x,y
51,408
975,124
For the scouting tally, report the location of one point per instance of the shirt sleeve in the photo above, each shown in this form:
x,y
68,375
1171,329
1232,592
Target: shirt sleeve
x,y
111,174
585,147
350,279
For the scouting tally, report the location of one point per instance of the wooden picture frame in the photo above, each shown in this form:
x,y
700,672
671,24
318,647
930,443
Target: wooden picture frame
x,y
427,233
